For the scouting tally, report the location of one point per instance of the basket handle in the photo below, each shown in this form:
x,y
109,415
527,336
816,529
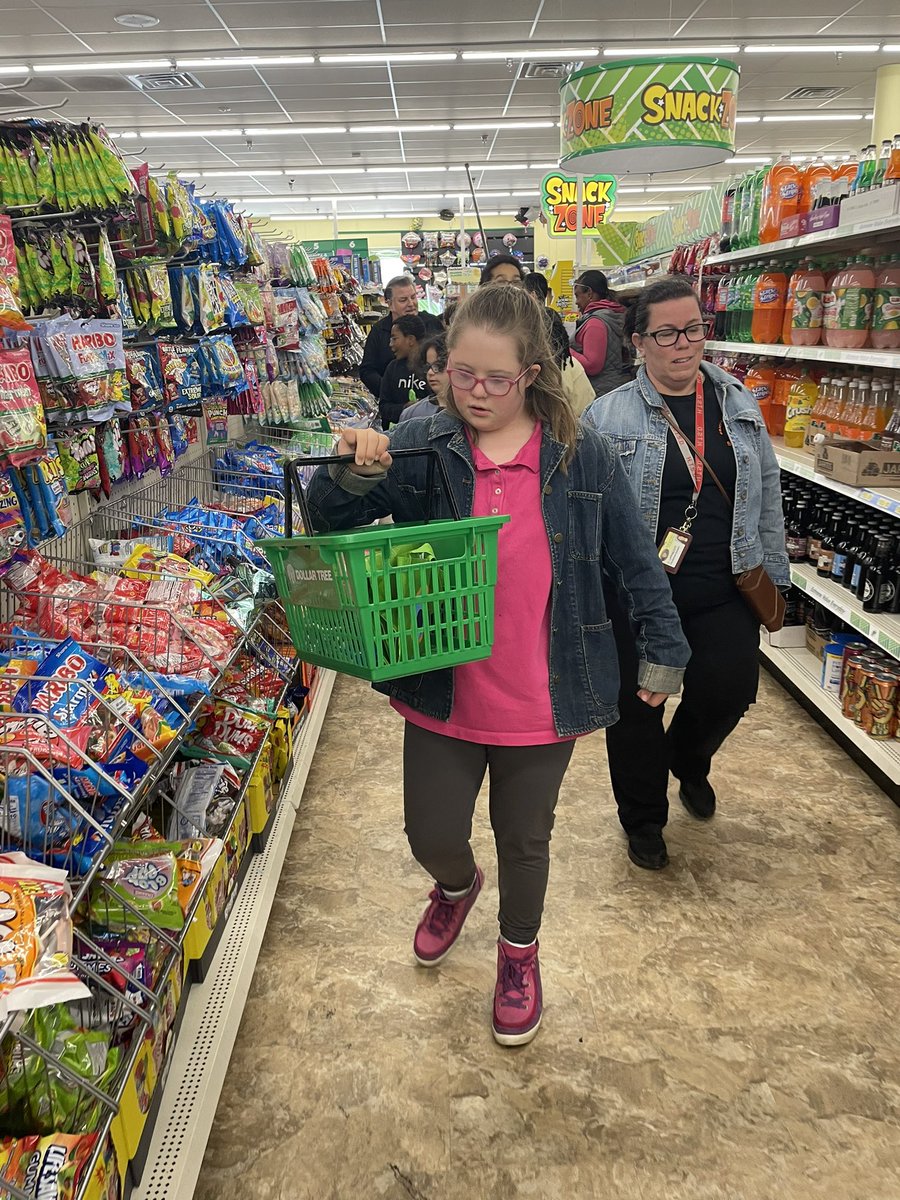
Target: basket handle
x,y
293,484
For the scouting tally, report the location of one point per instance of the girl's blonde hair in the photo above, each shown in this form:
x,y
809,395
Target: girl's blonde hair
x,y
510,311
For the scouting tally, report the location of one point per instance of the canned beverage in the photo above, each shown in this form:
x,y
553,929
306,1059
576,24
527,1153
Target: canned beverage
x,y
860,703
832,661
881,703
853,663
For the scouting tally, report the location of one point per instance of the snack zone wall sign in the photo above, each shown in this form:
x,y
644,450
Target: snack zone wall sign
x,y
646,114
559,203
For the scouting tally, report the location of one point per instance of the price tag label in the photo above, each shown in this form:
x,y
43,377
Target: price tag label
x,y
860,623
890,644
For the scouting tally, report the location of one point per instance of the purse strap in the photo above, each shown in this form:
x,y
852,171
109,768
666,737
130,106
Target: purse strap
x,y
676,428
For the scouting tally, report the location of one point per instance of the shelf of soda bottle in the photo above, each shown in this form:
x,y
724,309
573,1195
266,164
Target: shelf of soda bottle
x,y
787,207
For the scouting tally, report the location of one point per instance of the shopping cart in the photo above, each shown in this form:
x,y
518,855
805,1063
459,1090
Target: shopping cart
x,y
385,601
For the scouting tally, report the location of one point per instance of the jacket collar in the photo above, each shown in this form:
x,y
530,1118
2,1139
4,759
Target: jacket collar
x,y
743,406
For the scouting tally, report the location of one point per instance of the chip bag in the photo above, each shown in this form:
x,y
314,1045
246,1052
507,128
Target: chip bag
x,y
51,1167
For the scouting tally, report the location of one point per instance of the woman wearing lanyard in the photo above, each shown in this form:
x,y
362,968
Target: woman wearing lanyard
x,y
677,406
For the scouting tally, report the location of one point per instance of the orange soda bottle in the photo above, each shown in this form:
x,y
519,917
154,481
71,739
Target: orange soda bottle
x,y
769,295
760,383
780,198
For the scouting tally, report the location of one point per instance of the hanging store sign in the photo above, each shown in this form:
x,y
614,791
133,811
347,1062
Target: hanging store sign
x,y
559,203
642,114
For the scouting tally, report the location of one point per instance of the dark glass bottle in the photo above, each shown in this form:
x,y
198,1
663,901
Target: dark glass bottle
x,y
863,565
817,528
877,586
797,532
842,550
830,537
854,554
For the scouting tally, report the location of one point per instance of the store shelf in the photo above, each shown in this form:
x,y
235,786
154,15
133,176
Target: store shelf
x,y
801,671
857,358
882,628
798,462
215,1007
864,234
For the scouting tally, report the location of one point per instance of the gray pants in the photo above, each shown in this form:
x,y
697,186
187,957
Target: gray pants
x,y
441,780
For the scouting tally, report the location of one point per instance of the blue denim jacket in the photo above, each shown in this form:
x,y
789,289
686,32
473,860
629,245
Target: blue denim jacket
x,y
632,417
593,528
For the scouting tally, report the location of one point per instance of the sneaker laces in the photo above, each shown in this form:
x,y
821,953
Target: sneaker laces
x,y
512,981
440,913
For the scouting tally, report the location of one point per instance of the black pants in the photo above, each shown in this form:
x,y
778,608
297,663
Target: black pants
x,y
441,780
720,684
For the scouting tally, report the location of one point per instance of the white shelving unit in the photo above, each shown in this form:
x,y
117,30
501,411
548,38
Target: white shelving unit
x,y
798,462
214,1008
857,358
881,628
866,233
803,669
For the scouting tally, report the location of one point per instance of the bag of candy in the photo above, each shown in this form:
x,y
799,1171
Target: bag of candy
x,y
35,936
146,875
49,495
181,374
13,534
51,1167
23,433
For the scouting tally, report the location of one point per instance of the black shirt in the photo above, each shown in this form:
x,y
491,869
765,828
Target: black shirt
x,y
378,355
401,384
706,577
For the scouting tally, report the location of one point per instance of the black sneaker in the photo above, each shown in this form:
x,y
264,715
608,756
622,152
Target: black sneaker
x,y
698,798
647,848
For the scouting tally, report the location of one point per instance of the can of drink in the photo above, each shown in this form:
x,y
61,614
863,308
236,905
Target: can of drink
x,y
881,704
866,672
853,664
832,662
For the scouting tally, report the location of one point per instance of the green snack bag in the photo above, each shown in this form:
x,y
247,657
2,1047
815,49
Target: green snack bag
x,y
145,874
82,187
105,195
117,181
43,170
16,193
61,172
161,312
106,276
40,271
26,286
61,273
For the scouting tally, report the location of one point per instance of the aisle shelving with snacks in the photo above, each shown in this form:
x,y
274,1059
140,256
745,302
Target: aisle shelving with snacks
x,y
160,360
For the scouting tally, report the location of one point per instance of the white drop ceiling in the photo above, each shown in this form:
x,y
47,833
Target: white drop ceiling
x,y
404,166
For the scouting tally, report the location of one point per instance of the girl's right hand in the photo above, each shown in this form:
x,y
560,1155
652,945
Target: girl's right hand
x,y
370,449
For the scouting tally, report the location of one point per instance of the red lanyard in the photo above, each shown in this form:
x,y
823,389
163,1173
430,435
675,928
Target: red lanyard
x,y
694,465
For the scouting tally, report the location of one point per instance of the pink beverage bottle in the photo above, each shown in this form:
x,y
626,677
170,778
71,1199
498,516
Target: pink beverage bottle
x,y
885,334
807,313
848,318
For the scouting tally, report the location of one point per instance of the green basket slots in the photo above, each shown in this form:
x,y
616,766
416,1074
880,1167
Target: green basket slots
x,y
390,600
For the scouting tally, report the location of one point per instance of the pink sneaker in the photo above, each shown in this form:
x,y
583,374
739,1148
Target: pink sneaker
x,y
518,1000
442,923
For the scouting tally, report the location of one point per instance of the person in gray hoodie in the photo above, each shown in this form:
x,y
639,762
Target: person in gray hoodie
x,y
598,342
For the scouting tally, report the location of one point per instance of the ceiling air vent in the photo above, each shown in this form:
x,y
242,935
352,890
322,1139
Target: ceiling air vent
x,y
166,81
804,94
547,70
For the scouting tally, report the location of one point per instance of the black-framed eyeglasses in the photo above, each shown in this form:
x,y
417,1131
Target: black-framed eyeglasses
x,y
697,331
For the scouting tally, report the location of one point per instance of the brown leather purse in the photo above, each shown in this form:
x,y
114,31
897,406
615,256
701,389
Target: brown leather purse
x,y
761,595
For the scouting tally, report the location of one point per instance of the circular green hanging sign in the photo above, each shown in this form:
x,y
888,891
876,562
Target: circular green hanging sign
x,y
642,114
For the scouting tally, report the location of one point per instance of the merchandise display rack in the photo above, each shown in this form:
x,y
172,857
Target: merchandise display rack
x,y
829,354
859,236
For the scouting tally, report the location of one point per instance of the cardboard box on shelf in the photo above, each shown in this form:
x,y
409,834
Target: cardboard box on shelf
x,y
870,206
816,641
858,464
790,637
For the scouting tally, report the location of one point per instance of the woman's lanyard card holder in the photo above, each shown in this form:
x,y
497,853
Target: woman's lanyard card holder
x,y
676,541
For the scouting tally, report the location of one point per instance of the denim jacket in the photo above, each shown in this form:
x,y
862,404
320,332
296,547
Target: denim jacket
x,y
632,417
593,528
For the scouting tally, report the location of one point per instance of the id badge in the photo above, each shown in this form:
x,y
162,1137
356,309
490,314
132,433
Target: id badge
x,y
673,548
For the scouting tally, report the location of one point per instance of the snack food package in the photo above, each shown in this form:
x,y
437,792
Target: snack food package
x,y
146,875
23,431
35,936
49,495
50,1168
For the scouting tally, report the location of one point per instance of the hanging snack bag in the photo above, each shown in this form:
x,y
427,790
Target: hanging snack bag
x,y
47,485
36,941
32,531
13,534
50,1167
23,433
146,875
179,435
181,375
144,377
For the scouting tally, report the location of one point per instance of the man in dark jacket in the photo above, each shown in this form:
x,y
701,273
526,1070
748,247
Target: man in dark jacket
x,y
403,382
400,295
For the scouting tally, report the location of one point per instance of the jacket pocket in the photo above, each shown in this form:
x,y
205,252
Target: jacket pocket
x,y
601,663
625,448
585,525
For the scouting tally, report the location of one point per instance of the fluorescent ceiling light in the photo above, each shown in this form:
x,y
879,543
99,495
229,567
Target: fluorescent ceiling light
x,y
478,126
324,171
811,48
747,120
178,132
891,47
238,174
15,69
551,52
621,191
399,128
672,48
105,64
402,170
741,158
869,116
497,167
783,118
291,130
388,56
680,187
246,60
550,166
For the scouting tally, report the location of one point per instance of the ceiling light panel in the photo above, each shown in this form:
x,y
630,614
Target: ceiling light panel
x,y
784,118
816,47
349,60
672,48
104,64
211,62
531,53
399,128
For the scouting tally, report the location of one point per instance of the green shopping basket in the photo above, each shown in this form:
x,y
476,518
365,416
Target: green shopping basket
x,y
384,601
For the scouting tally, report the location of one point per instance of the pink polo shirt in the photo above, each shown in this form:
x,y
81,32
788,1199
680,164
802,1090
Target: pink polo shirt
x,y
504,700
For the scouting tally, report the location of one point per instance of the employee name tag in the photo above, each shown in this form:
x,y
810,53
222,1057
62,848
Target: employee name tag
x,y
673,548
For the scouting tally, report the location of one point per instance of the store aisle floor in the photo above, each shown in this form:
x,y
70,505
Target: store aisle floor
x,y
723,1030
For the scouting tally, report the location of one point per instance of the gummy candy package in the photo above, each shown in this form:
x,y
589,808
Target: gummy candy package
x,y
23,432
51,1167
80,460
145,874
50,498
13,532
37,936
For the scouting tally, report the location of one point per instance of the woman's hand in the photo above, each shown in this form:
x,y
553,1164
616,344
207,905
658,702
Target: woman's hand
x,y
654,699
370,449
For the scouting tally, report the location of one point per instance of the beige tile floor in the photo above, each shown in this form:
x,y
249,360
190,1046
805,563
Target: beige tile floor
x,y
723,1030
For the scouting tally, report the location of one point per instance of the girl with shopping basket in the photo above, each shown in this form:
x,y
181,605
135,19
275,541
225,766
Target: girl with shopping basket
x,y
511,445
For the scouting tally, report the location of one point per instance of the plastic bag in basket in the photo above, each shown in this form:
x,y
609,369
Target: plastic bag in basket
x,y
397,622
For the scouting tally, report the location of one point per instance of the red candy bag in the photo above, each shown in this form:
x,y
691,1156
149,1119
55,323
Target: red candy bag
x,y
23,431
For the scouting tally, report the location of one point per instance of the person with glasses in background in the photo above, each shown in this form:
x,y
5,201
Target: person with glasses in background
x,y
434,355
678,409
511,445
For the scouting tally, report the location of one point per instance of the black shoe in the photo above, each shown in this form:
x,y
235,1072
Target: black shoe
x,y
647,848
698,798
